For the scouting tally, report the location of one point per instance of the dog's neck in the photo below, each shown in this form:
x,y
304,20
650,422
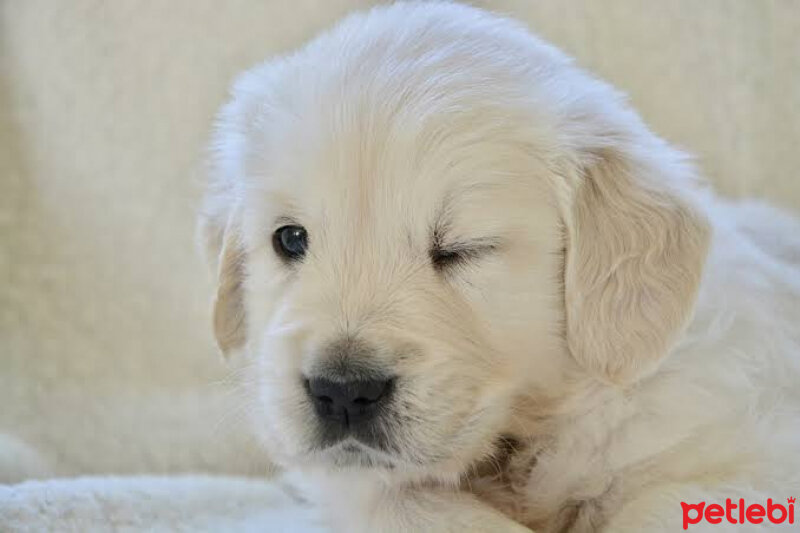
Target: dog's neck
x,y
521,477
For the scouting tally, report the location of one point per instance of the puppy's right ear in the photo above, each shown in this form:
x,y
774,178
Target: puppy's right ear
x,y
220,223
226,252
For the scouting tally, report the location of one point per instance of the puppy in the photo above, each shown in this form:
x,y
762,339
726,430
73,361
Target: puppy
x,y
472,291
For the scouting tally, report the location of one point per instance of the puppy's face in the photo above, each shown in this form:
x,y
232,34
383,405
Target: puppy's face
x,y
398,294
403,254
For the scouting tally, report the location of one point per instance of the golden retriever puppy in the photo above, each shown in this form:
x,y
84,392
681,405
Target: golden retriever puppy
x,y
472,291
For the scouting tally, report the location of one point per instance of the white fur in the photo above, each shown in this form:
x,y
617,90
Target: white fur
x,y
635,335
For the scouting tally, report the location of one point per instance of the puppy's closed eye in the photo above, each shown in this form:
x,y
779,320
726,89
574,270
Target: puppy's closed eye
x,y
446,256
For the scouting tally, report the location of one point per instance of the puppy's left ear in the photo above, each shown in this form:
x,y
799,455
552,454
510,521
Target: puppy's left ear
x,y
636,245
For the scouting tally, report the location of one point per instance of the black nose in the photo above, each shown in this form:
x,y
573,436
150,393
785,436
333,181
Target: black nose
x,y
348,402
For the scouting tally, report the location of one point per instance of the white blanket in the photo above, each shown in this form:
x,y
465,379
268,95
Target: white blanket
x,y
142,503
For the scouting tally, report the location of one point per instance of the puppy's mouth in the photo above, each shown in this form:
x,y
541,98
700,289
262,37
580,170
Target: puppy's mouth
x,y
371,436
356,444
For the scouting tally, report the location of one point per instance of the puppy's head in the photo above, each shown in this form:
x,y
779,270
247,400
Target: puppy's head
x,y
426,215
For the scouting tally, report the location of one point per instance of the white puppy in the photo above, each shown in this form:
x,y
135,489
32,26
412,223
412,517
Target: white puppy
x,y
473,291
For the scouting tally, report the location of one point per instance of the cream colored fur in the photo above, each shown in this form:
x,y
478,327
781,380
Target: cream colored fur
x,y
632,339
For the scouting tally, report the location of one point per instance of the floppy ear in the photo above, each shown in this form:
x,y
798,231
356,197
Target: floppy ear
x,y
636,245
224,248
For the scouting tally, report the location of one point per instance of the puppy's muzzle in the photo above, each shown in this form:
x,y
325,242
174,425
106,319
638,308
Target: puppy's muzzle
x,y
352,394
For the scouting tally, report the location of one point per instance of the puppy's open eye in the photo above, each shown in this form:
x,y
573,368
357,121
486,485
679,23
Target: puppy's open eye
x,y
290,242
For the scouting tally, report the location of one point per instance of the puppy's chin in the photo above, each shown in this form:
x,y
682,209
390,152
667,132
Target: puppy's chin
x,y
444,461
351,454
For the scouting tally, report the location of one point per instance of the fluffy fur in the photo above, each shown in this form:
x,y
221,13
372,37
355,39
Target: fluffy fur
x,y
625,341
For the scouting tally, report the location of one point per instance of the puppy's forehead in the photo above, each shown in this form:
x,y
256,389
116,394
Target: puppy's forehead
x,y
392,131
353,182
356,166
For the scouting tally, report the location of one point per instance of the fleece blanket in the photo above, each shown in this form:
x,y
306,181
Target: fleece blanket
x,y
168,504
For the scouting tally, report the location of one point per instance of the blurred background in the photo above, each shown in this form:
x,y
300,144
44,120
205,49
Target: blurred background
x,y
107,362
